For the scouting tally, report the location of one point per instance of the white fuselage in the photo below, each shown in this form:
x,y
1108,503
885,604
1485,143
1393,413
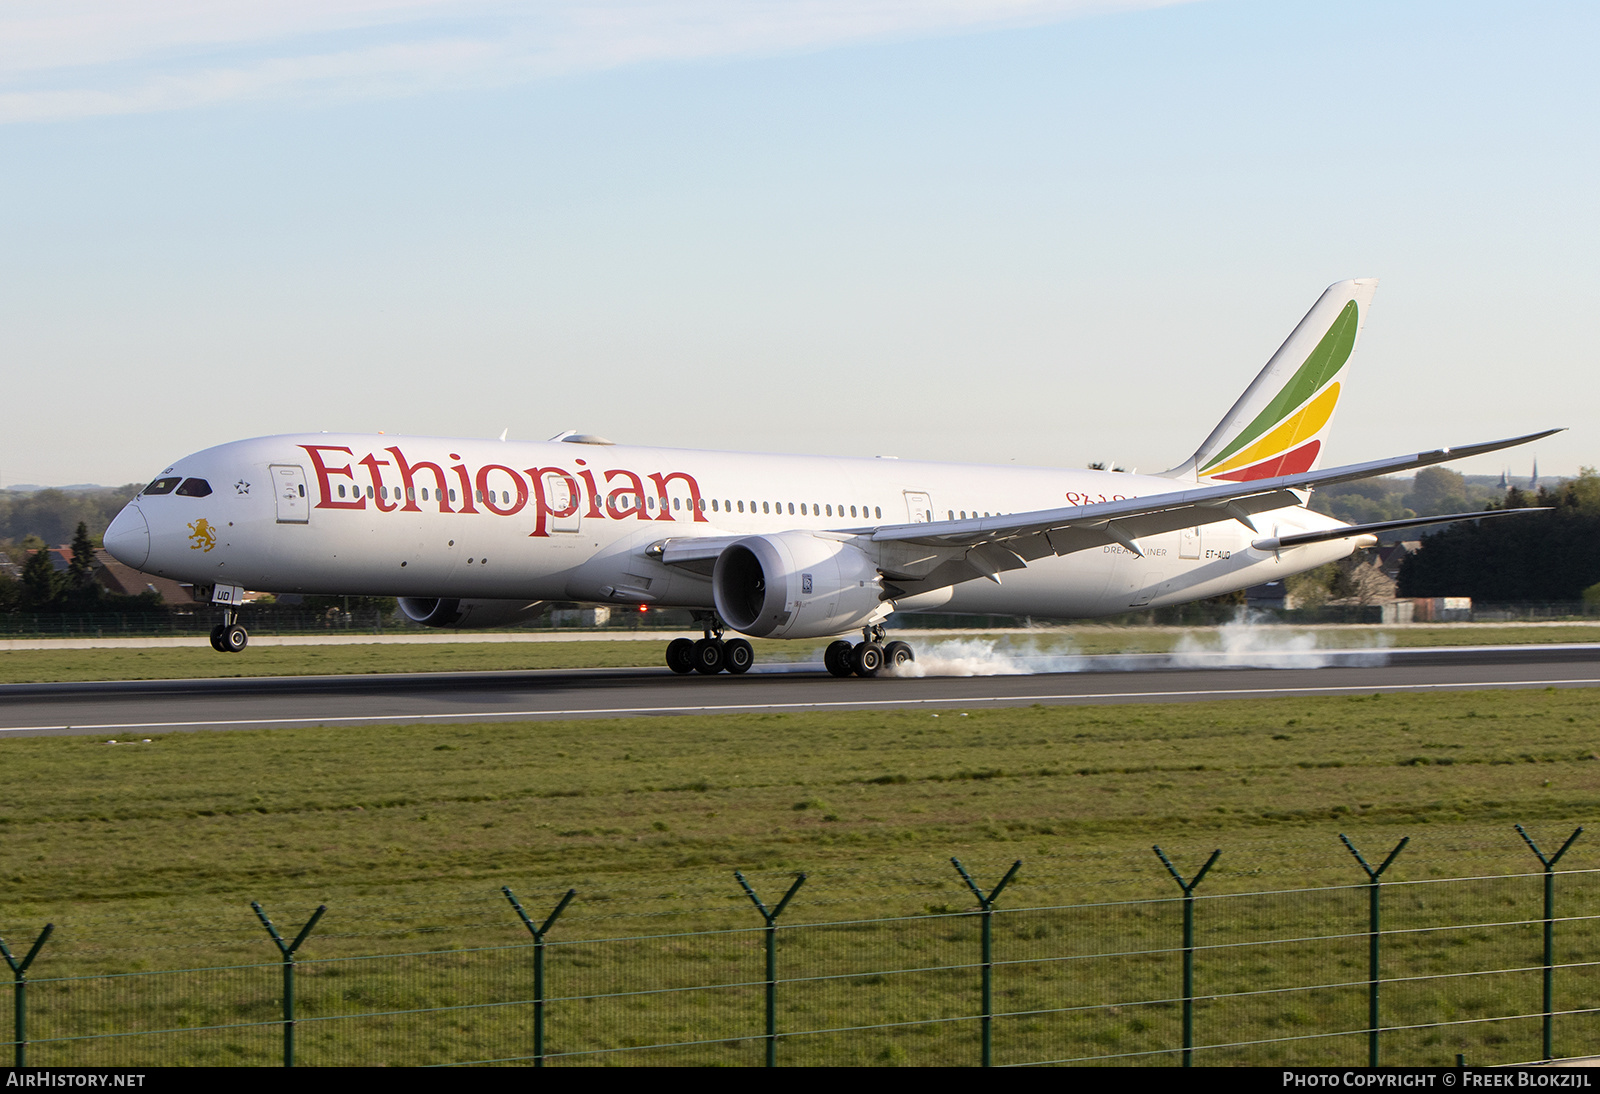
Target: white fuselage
x,y
358,514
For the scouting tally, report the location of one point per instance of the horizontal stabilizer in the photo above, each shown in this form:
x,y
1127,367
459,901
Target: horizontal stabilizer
x,y
1300,540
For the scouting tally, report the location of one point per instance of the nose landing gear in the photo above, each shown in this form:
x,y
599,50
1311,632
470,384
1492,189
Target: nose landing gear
x,y
230,636
710,655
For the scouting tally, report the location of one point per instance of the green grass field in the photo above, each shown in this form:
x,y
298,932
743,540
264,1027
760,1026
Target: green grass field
x,y
200,661
145,855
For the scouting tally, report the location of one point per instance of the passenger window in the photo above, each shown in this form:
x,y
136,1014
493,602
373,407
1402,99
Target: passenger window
x,y
741,507
791,508
877,512
505,497
162,486
713,505
478,495
852,510
341,490
369,491
194,488
802,509
764,508
302,490
830,510
452,495
677,503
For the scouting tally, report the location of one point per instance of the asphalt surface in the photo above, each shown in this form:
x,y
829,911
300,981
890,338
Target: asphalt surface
x,y
132,708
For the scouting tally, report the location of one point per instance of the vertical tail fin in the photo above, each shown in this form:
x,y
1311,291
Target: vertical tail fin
x,y
1279,424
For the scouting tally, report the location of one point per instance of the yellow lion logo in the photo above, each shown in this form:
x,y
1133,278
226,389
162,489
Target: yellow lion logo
x,y
202,535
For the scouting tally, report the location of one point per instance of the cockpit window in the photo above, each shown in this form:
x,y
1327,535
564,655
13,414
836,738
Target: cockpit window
x,y
162,486
194,488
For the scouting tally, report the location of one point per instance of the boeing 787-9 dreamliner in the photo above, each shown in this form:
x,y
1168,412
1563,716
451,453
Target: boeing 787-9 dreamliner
x,y
483,533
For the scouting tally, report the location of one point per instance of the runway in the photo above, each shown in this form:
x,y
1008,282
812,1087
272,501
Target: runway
x,y
145,707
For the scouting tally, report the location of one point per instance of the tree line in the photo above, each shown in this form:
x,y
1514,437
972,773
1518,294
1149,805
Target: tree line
x,y
50,516
41,588
1538,557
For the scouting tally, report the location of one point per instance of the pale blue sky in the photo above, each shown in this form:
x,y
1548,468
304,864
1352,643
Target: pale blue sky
x,y
1045,231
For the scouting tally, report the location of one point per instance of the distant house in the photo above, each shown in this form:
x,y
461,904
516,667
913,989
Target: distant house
x,y
126,581
122,580
1391,555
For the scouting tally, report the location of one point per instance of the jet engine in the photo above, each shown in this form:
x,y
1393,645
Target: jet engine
x,y
467,614
796,585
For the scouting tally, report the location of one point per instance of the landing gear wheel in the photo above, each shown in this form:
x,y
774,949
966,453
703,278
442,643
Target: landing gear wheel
x,y
896,654
233,639
737,656
836,658
708,656
680,656
216,638
867,659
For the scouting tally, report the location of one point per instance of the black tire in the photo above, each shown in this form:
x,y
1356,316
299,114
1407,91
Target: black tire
x,y
216,638
680,656
234,639
708,657
737,656
837,658
867,659
896,654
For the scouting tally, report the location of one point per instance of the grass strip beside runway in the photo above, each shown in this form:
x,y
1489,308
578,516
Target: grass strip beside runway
x,y
202,662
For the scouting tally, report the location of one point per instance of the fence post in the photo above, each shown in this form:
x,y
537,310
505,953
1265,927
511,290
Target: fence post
x,y
1549,924
1188,888
19,992
538,964
986,906
1374,935
772,956
288,950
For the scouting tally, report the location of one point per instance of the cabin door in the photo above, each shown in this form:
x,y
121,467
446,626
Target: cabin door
x,y
919,507
289,487
558,494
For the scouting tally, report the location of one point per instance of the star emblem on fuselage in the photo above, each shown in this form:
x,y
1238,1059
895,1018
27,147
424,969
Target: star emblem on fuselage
x,y
242,487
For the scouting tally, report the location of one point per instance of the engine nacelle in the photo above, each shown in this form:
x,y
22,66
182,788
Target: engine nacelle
x,y
467,614
796,585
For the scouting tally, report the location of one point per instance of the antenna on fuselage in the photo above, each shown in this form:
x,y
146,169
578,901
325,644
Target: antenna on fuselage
x,y
504,431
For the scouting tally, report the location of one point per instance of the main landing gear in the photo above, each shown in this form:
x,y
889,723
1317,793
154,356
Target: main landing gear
x,y
868,657
710,655
230,636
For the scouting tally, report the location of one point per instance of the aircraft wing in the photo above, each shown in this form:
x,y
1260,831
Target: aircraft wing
x,y
697,554
913,555
920,557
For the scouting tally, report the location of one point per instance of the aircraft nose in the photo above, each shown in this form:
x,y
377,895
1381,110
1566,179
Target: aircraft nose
x,y
128,538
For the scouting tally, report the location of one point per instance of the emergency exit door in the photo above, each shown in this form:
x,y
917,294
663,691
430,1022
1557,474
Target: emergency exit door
x,y
919,507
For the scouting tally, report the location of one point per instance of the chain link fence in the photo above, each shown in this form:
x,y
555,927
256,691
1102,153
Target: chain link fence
x,y
782,969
